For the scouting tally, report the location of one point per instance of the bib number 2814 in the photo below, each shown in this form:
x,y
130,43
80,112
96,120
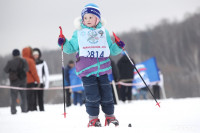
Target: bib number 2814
x,y
93,54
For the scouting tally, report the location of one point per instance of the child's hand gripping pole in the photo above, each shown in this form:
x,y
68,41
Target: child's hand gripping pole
x,y
121,44
61,39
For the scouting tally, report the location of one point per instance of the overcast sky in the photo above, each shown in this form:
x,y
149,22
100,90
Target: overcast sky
x,y
35,22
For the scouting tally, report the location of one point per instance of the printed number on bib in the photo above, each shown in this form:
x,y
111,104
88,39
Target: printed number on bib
x,y
96,54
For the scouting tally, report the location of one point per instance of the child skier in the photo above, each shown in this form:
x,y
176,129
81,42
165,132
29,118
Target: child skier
x,y
94,46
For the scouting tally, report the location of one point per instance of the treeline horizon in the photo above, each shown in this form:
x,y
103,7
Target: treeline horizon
x,y
175,45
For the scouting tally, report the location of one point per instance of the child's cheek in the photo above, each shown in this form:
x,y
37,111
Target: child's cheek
x,y
84,22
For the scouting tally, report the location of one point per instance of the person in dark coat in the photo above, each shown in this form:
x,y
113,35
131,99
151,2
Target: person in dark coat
x,y
114,76
156,90
115,71
126,75
17,68
43,73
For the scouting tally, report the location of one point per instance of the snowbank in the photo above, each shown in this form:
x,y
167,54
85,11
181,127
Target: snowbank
x,y
174,116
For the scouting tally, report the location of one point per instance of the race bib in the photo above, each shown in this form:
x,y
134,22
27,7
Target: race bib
x,y
93,43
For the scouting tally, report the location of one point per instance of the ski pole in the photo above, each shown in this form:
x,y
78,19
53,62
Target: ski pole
x,y
62,36
118,40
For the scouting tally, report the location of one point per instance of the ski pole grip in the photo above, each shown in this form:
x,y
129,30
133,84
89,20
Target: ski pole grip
x,y
116,37
61,39
120,43
61,34
60,30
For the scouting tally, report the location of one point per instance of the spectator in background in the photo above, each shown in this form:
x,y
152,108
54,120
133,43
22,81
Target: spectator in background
x,y
75,80
43,73
115,71
142,92
114,76
32,78
159,86
156,90
126,75
67,82
17,68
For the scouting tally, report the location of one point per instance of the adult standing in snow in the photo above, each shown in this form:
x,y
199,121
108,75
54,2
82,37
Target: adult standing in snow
x,y
126,73
142,92
32,78
17,68
67,82
75,80
114,76
115,71
43,73
94,46
159,87
156,90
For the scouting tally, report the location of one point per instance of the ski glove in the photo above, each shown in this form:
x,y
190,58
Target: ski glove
x,y
61,40
121,44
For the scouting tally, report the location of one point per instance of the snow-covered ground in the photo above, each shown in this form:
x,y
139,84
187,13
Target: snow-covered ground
x,y
174,116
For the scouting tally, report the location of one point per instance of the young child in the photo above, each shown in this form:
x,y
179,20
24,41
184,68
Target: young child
x,y
93,45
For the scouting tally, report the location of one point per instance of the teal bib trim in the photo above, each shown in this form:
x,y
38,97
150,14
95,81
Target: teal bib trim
x,y
95,65
101,70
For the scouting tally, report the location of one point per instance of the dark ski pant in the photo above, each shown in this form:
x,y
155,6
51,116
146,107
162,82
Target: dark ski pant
x,y
23,102
68,98
126,93
78,98
156,91
114,98
40,97
31,97
98,92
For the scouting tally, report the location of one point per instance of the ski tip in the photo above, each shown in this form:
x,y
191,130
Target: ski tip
x,y
158,104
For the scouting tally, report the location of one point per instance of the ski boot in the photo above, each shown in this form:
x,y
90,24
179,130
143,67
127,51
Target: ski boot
x,y
94,123
111,120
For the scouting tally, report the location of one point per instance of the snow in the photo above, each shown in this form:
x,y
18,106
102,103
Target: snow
x,y
174,116
55,77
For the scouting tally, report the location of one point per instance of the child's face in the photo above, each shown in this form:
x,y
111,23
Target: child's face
x,y
89,20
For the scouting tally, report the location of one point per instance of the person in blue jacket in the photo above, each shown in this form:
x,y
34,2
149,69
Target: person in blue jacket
x,y
67,82
75,80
